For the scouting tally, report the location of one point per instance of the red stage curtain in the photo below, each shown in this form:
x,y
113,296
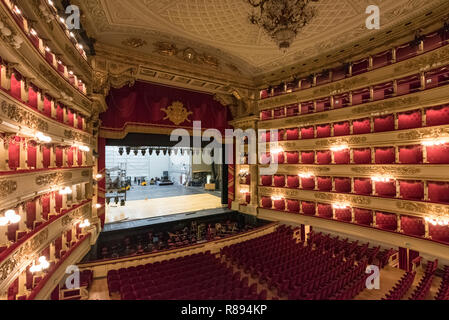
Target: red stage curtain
x,y
293,182
363,216
324,157
325,210
293,206
362,156
307,157
292,157
307,133
361,126
363,186
323,131
308,208
341,129
324,183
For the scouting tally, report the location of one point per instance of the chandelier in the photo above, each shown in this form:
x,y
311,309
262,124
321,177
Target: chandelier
x,y
282,19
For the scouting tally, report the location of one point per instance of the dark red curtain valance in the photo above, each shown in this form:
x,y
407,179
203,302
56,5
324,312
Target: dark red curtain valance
x,y
141,104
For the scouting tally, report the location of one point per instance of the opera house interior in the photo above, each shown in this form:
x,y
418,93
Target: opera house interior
x,y
224,150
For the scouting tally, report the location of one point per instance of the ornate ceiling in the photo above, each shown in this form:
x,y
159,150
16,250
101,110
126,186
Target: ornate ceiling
x,y
218,31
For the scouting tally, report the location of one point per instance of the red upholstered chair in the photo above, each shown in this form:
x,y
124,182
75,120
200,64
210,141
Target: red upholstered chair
x,y
308,157
292,110
293,182
384,123
342,129
292,157
437,116
324,183
342,157
308,183
307,133
363,186
292,134
307,107
342,185
432,41
439,233
323,105
265,158
413,190
325,210
386,189
279,181
438,191
279,204
438,77
293,206
438,154
410,120
324,157
266,202
409,84
308,208
361,126
279,112
323,131
280,157
383,91
14,153
266,180
387,221
363,216
413,226
362,156
385,156
410,154
341,101
343,214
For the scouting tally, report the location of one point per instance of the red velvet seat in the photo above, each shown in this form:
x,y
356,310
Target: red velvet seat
x,y
292,134
409,84
308,208
363,216
343,214
307,107
361,126
323,104
438,154
323,131
439,233
279,181
279,204
324,183
293,206
362,156
341,101
325,210
308,157
437,116
293,182
324,157
307,183
292,157
342,185
307,133
342,157
413,226
409,120
383,91
413,190
385,156
410,154
266,202
266,180
387,221
363,186
265,115
386,189
292,110
361,96
279,112
342,129
438,191
384,123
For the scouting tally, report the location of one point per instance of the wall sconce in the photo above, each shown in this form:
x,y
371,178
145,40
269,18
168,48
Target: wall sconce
x,y
98,176
306,175
339,148
84,148
434,142
84,224
98,206
437,221
243,173
42,137
66,190
340,205
17,10
276,150
43,264
10,217
244,190
277,198
33,32
381,178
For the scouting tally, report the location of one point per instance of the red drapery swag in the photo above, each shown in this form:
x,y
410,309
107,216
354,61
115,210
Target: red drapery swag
x,y
142,104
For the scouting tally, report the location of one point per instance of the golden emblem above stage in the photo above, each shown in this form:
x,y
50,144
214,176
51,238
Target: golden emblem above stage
x,y
176,113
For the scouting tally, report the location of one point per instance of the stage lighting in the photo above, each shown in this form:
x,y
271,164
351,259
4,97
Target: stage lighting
x,y
165,152
120,151
143,151
176,151
136,152
128,150
158,152
116,200
150,151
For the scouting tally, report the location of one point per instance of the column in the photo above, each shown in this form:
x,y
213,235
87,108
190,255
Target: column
x,y
4,236
374,219
398,218
352,185
314,105
332,100
373,183
65,116
22,284
64,157
371,119
395,87
393,55
5,78
52,204
396,154
52,156
370,63
333,184
23,217
422,77
350,98
314,80
39,210
373,155
40,101
426,228
4,154
352,215
52,251
53,109
83,191
398,189
424,116
64,202
371,93
23,154
75,120
39,157
24,85
426,191
396,121
350,69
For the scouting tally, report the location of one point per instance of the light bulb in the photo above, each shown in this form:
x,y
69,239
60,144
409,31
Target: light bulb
x,y
3,221
15,219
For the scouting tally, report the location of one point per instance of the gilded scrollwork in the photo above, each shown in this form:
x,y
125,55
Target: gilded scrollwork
x,y
385,105
55,178
23,117
385,170
350,140
7,187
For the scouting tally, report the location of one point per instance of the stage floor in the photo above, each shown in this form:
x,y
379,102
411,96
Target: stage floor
x,y
150,208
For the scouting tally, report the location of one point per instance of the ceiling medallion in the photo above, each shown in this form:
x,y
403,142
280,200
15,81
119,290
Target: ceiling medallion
x,y
176,113
282,20
166,48
134,42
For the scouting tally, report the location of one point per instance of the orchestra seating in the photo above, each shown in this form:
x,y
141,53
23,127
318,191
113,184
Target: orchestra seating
x,y
401,287
424,284
443,291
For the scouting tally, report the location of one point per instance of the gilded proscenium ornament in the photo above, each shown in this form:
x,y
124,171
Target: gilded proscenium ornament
x,y
25,118
177,113
7,187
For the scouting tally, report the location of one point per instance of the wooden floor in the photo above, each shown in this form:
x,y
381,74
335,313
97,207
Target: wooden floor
x,y
150,208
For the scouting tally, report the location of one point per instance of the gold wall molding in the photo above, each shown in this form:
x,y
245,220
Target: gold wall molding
x,y
357,200
422,133
424,208
338,141
55,178
387,170
25,118
433,60
388,105
78,136
7,187
340,86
